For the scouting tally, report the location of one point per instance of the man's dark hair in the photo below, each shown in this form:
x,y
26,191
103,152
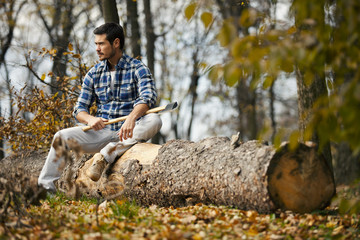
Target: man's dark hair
x,y
112,31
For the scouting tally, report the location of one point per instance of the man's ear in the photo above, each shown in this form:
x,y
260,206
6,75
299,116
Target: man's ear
x,y
116,43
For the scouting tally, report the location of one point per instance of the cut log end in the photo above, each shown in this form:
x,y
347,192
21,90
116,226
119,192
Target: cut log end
x,y
300,180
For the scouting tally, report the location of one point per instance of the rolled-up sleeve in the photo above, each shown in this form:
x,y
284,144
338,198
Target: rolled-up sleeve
x,y
86,97
146,87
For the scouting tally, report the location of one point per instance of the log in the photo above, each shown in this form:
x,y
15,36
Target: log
x,y
249,176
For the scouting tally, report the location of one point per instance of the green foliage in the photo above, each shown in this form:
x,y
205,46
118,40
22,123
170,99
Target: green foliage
x,y
124,209
323,42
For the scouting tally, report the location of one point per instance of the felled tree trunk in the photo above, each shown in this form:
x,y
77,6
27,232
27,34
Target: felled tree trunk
x,y
251,176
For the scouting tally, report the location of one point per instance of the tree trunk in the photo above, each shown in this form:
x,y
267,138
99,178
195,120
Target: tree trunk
x,y
150,37
310,89
109,10
272,111
307,96
193,88
249,176
132,16
246,106
2,150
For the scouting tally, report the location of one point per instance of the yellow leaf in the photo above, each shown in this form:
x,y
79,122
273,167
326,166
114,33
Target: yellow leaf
x,y
43,77
253,230
53,52
291,30
190,11
197,236
70,47
76,55
207,19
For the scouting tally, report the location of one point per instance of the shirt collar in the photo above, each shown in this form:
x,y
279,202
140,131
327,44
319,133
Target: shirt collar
x,y
123,61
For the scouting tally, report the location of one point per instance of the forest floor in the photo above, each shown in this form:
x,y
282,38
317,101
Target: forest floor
x,y
59,217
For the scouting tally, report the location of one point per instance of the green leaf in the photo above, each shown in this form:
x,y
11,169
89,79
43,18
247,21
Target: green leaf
x,y
268,82
215,73
248,18
227,33
190,10
232,74
207,19
286,65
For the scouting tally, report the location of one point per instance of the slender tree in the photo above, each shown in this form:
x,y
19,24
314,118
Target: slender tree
x,y
59,28
109,10
10,11
245,94
132,19
150,36
311,83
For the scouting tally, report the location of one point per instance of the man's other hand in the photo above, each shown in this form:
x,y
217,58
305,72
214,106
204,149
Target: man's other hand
x,y
126,130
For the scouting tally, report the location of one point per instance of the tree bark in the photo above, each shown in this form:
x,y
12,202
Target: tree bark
x,y
132,16
246,98
2,150
249,176
150,37
310,92
59,29
109,10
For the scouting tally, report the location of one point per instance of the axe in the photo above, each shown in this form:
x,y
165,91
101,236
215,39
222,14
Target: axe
x,y
162,109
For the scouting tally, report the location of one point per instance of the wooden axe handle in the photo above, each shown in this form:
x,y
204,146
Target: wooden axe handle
x,y
115,120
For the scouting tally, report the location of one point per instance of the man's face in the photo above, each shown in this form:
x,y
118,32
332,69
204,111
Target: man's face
x,y
103,47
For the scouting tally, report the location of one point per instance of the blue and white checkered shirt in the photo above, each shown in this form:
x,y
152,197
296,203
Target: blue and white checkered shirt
x,y
133,85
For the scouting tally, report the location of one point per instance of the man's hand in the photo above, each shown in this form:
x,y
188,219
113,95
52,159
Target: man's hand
x,y
126,130
96,123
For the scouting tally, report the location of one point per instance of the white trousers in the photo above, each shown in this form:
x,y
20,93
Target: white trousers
x,y
104,141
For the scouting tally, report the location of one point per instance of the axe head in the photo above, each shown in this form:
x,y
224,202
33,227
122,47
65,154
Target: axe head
x,y
170,106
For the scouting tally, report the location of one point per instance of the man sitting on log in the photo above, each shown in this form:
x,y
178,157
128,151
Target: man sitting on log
x,y
120,86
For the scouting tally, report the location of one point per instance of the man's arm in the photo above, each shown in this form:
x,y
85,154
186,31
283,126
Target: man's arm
x,y
126,130
97,123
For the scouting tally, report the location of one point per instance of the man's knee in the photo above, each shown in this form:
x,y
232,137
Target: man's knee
x,y
62,135
155,121
148,127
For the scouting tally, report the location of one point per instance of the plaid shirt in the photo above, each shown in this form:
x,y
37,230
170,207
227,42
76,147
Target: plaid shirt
x,y
133,85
